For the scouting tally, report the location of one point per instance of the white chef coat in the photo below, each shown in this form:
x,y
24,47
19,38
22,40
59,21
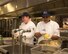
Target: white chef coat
x,y
29,35
51,28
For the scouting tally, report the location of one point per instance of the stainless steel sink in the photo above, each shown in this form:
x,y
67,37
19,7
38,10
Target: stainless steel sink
x,y
26,49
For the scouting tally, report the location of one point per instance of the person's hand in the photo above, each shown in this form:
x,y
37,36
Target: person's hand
x,y
46,36
16,34
38,34
55,37
13,31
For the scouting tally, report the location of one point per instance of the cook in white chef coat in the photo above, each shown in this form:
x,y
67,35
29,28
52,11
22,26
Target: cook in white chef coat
x,y
47,26
27,24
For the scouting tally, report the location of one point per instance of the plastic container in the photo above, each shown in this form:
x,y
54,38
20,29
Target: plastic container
x,y
63,51
7,40
43,50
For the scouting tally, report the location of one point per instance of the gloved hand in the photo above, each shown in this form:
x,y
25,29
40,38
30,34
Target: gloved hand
x,y
47,36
